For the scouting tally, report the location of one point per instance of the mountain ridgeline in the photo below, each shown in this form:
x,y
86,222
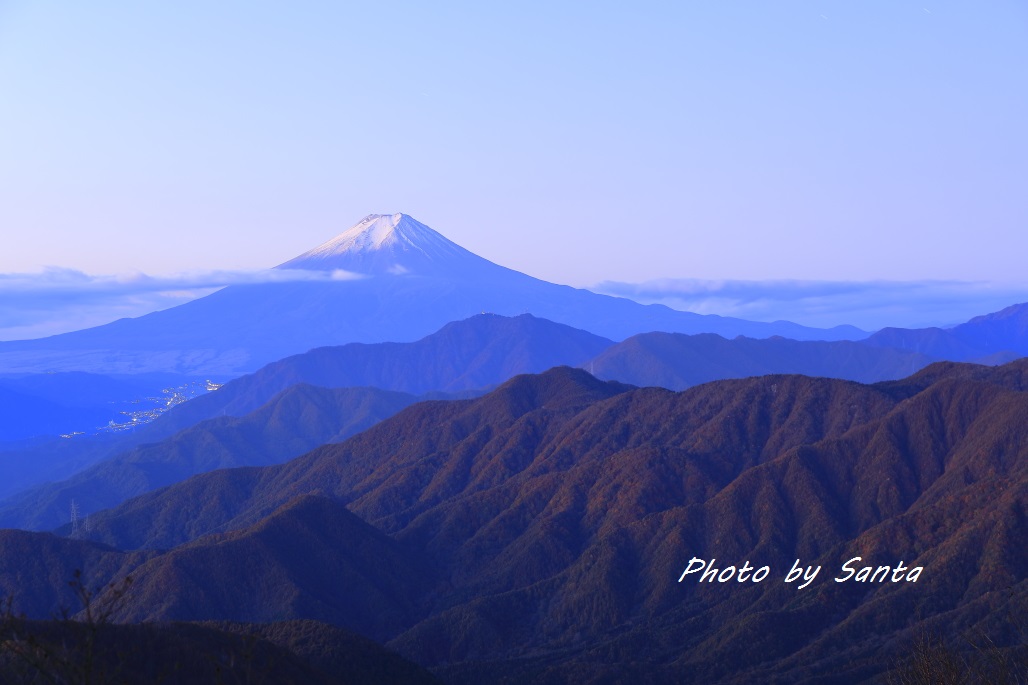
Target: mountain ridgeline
x,y
277,421
388,278
409,471
539,533
1000,336
296,420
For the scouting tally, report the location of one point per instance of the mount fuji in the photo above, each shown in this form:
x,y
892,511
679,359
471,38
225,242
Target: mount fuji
x,y
388,278
395,245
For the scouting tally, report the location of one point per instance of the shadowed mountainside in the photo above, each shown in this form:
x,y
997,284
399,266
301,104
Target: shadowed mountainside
x,y
291,423
36,569
538,533
676,361
478,352
463,356
288,652
311,558
1002,333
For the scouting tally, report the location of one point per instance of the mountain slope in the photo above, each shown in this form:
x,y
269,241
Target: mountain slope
x,y
296,420
394,245
362,579
562,511
1003,333
481,443
1005,330
36,569
481,351
463,356
676,361
476,353
413,281
287,652
230,499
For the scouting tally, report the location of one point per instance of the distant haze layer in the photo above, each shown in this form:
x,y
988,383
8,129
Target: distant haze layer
x,y
387,278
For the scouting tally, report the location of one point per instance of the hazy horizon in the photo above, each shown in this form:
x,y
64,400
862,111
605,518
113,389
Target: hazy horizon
x,y
809,141
55,300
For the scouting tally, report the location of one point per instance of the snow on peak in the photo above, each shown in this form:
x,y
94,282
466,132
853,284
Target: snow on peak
x,y
394,244
373,232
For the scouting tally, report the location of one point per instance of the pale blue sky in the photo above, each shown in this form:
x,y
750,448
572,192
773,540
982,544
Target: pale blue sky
x,y
805,139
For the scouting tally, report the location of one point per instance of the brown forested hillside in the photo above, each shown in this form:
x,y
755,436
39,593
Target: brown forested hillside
x,y
538,534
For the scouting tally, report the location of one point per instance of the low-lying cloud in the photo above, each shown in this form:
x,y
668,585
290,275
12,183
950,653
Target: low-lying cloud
x,y
53,301
57,300
869,305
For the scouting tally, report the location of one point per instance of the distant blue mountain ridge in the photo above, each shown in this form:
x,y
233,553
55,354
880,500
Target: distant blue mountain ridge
x,y
412,282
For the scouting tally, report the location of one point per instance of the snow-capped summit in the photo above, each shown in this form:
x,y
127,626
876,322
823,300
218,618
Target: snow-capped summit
x,y
389,244
417,282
